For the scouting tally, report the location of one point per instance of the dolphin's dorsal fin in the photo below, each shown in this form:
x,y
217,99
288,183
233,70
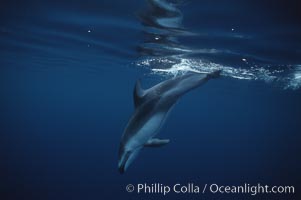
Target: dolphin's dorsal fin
x,y
138,94
155,142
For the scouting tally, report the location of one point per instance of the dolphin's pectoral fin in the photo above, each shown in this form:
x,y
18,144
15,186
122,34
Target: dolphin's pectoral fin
x,y
138,93
155,142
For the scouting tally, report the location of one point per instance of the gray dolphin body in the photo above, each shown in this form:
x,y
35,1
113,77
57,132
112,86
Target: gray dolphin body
x,y
151,109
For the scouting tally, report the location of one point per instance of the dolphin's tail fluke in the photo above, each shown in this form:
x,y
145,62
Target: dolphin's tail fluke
x,y
214,74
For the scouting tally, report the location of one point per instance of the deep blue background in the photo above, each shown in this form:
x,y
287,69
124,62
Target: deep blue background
x,y
66,96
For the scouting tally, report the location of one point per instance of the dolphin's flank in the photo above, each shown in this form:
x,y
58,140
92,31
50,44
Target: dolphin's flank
x,y
151,109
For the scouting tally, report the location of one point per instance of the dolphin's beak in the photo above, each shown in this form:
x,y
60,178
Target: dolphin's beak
x,y
121,169
126,159
122,162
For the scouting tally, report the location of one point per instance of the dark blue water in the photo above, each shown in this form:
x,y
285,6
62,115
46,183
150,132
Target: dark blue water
x,y
68,68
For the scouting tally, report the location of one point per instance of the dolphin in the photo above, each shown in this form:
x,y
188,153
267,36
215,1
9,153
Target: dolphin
x,y
151,110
